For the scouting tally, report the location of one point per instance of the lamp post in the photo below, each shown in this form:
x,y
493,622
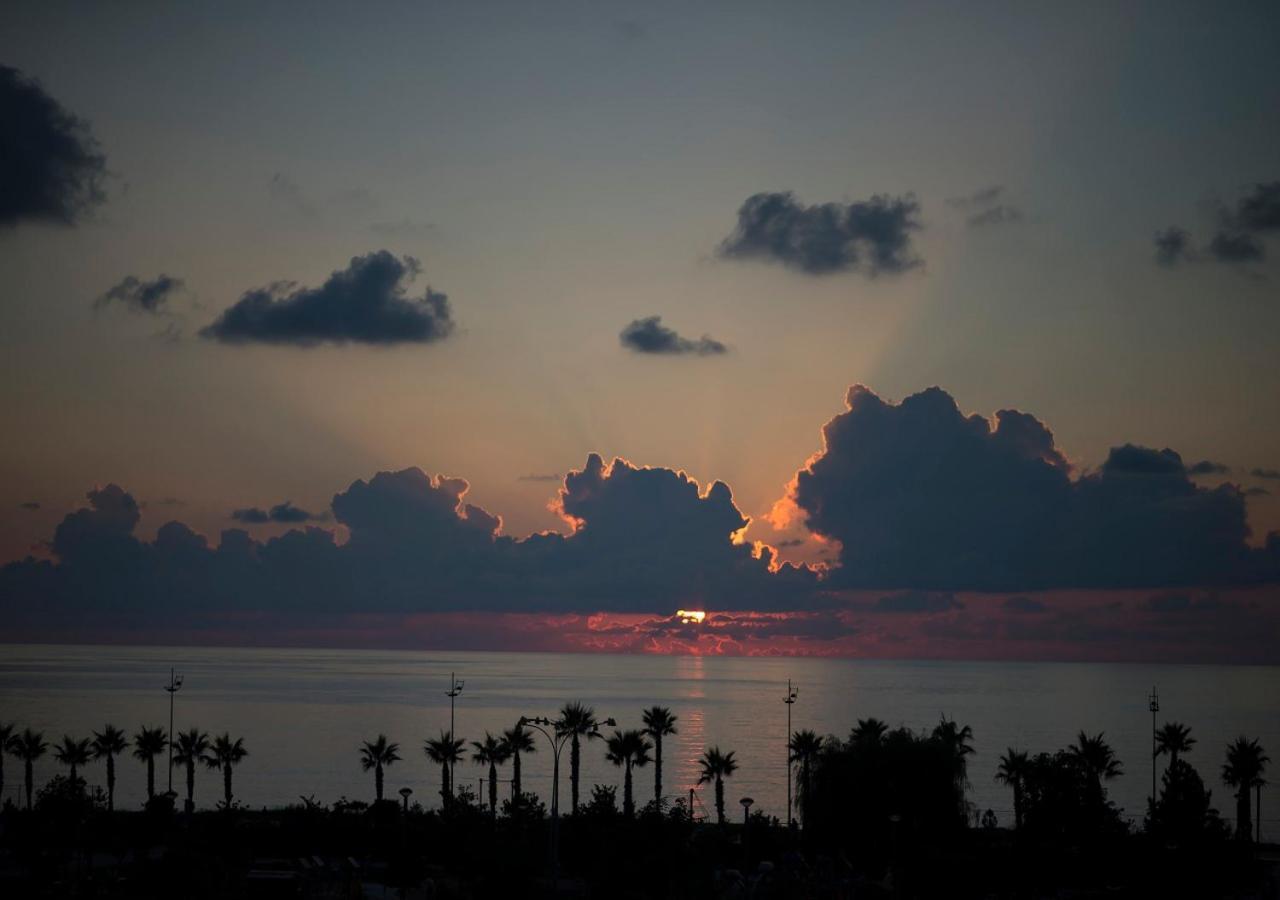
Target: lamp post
x,y
792,693
174,685
455,688
557,736
1153,704
404,795
746,832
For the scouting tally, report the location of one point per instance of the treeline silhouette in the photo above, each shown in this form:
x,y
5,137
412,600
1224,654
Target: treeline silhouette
x,y
883,809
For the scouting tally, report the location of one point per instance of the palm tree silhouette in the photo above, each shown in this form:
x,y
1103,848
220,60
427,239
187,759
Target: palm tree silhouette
x,y
1012,771
107,744
149,743
6,736
1243,770
493,752
73,754
957,739
1174,738
1095,756
518,740
628,749
868,732
658,723
28,747
188,750
577,720
225,754
717,766
445,751
805,747
376,755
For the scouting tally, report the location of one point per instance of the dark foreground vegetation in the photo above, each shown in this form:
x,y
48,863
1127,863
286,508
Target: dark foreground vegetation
x,y
881,813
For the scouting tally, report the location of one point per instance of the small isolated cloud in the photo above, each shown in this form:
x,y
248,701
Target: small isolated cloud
x,y
1258,211
548,477
51,168
1208,467
365,303
872,236
1173,245
30,504
283,513
649,335
985,207
917,602
1236,247
138,295
289,194
1266,473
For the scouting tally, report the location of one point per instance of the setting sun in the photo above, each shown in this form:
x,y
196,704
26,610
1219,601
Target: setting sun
x,y
691,616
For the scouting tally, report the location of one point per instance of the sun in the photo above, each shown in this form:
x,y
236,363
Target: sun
x,y
691,616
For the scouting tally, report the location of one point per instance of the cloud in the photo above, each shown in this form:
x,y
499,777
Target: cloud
x,y
917,602
1208,467
1236,247
996,215
285,513
649,335
141,296
872,236
1258,212
51,168
364,303
919,495
550,476
984,207
29,505
288,193
1173,245
1021,604
1265,473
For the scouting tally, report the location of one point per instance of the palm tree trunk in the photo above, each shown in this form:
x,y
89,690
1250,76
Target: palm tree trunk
x,y
445,793
226,784
628,806
1244,821
111,783
1017,805
30,778
151,778
574,754
719,800
657,771
493,789
515,774
191,785
73,775
377,781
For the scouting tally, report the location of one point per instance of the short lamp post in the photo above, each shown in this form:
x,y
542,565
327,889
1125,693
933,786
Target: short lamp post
x,y
405,793
746,832
554,731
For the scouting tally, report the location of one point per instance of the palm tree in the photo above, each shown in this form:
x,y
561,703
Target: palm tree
x,y
627,749
957,741
73,754
28,747
868,732
658,723
377,754
6,735
149,743
189,749
1174,738
518,740
1245,765
447,752
1013,772
225,754
717,766
107,744
805,747
1095,756
579,721
493,752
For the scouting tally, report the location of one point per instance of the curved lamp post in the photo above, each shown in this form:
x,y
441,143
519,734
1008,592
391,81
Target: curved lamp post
x,y
174,685
553,730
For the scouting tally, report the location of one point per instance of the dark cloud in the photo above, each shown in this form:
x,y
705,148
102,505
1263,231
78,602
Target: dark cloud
x,y
1236,247
51,169
283,513
142,296
30,504
996,215
917,602
984,207
364,303
1173,245
1265,473
868,236
1258,212
983,198
918,495
649,335
1208,467
550,476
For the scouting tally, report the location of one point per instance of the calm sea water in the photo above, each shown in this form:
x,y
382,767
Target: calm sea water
x,y
303,713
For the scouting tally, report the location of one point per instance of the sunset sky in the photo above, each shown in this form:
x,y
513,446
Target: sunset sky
x,y
365,300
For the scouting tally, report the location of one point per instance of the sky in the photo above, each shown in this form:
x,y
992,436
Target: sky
x,y
369,300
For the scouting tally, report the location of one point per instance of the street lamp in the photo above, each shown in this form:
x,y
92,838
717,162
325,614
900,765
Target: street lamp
x,y
404,794
1153,704
174,685
557,736
455,688
792,693
746,809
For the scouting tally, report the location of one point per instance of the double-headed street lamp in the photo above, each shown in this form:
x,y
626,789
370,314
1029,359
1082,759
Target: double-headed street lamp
x,y
792,693
558,736
455,688
174,685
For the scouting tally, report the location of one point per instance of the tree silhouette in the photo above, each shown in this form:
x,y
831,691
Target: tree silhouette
x,y
188,750
149,743
6,736
1012,771
579,721
1098,761
446,751
225,754
804,749
378,754
658,723
493,752
518,740
628,749
717,766
1243,770
868,732
107,744
1174,738
73,754
28,747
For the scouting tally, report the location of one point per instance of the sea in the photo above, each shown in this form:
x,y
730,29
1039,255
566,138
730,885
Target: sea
x,y
303,714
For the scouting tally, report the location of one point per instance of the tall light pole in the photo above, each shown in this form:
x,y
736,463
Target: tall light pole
x,y
792,692
1153,704
558,737
455,688
174,685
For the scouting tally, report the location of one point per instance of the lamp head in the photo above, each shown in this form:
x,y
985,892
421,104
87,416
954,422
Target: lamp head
x,y
610,722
